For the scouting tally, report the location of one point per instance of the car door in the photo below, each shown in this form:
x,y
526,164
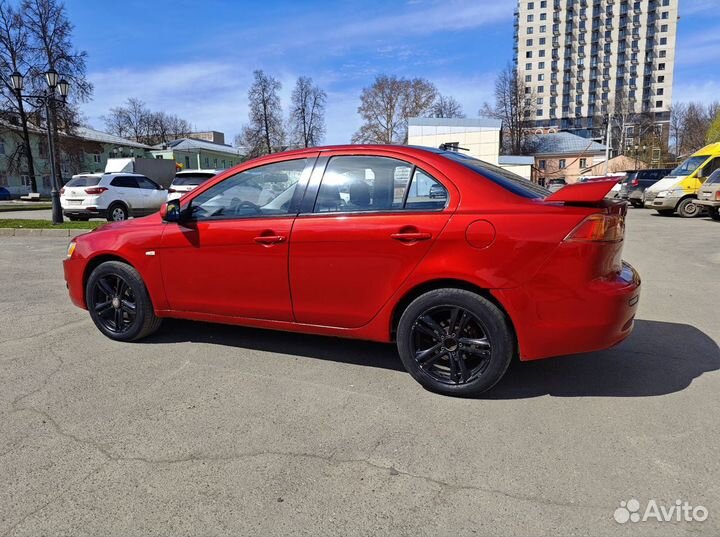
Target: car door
x,y
126,189
364,225
152,195
228,255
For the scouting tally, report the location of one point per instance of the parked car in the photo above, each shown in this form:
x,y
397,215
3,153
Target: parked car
x,y
115,196
462,283
553,185
186,180
678,191
709,195
635,183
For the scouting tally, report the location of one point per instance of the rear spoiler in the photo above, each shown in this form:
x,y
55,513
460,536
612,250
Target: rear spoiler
x,y
588,192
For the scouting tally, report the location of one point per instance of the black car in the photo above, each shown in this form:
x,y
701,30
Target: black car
x,y
634,185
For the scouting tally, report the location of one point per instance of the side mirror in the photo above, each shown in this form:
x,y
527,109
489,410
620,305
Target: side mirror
x,y
170,211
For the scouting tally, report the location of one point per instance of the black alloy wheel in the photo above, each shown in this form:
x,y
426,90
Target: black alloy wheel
x,y
455,342
450,344
114,303
119,303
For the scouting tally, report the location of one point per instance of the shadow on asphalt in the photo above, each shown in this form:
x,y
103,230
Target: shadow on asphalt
x,y
657,359
345,351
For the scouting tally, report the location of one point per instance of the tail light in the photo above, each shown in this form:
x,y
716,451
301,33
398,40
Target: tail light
x,y
717,195
599,227
171,190
95,190
635,182
62,191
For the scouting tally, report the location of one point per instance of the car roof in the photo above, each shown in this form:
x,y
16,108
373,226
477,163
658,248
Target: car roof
x,y
189,172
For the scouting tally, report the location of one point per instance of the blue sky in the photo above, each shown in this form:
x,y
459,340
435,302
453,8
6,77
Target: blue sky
x,y
195,59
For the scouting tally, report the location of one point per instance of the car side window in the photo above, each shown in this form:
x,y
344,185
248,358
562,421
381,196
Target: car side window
x,y
125,181
147,184
425,193
362,183
263,191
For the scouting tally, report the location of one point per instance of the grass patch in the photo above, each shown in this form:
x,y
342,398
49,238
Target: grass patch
x,y
47,224
7,208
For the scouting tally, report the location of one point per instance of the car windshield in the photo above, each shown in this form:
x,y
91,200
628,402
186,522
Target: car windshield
x,y
191,179
689,166
714,178
84,180
506,179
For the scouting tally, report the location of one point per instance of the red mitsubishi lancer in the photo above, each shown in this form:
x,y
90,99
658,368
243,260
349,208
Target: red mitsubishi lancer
x,y
463,264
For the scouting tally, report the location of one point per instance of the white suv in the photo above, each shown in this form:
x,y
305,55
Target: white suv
x,y
115,196
187,180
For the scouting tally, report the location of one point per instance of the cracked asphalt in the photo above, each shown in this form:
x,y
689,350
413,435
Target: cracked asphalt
x,y
215,430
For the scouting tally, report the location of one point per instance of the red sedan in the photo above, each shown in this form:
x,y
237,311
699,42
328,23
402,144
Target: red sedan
x,y
462,263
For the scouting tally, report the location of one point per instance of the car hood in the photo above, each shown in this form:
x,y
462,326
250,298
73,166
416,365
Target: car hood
x,y
666,183
134,223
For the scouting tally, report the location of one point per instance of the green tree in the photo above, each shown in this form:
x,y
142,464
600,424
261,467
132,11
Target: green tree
x,y
713,133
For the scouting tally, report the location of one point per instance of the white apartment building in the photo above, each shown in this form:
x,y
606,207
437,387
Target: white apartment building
x,y
583,59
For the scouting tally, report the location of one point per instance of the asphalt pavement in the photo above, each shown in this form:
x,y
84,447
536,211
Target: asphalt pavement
x,y
215,430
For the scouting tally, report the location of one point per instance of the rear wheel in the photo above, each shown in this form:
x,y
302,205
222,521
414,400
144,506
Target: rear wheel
x,y
455,342
714,213
636,204
118,302
117,212
687,209
665,212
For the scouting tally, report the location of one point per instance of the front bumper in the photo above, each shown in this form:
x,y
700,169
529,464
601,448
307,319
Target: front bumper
x,y
573,320
665,203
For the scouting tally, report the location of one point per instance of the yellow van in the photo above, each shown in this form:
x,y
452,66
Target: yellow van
x,y
677,191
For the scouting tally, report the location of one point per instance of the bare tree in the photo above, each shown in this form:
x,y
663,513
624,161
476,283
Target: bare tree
x,y
307,113
446,106
15,57
678,114
264,133
713,133
136,121
50,36
387,105
515,105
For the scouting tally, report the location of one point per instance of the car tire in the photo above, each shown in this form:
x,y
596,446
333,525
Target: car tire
x,y
665,212
117,212
455,342
119,303
714,213
637,204
687,209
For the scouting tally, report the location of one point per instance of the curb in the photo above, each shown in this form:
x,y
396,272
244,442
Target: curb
x,y
26,232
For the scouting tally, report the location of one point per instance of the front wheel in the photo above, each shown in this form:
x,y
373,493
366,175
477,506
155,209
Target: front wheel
x,y
636,204
455,342
687,209
119,303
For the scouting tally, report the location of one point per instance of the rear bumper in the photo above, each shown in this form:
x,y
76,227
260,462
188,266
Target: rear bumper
x,y
707,203
559,321
83,212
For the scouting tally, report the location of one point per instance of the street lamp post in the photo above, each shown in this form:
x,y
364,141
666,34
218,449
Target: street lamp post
x,y
48,99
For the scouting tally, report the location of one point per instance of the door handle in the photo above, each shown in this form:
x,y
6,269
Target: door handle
x,y
269,239
411,236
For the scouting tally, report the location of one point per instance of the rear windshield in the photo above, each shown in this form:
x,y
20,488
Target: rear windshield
x,y
714,178
689,166
83,180
192,179
630,178
506,179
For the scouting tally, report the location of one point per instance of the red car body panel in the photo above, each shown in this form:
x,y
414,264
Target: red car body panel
x,y
347,274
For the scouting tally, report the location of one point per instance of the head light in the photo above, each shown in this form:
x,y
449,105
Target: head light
x,y
662,194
